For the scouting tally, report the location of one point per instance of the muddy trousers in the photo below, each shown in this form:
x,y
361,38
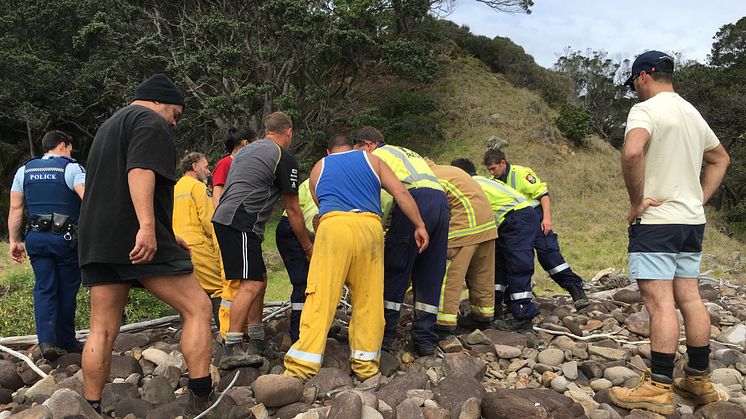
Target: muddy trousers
x,y
348,250
514,262
475,266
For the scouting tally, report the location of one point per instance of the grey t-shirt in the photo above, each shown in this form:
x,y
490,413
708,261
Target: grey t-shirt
x,y
260,173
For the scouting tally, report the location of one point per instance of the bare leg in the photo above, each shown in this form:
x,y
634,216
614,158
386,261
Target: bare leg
x,y
107,304
696,319
247,293
658,297
257,306
183,293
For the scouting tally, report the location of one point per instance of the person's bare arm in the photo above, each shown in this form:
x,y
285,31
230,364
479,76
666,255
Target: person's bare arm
x,y
546,208
217,192
717,161
15,217
633,170
142,186
80,189
403,199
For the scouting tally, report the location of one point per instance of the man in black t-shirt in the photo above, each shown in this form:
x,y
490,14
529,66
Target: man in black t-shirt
x,y
126,237
261,172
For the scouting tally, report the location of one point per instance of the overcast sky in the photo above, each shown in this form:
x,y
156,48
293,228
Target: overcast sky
x,y
621,28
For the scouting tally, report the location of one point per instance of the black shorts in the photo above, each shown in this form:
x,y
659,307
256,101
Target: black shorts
x,y
242,253
117,273
664,251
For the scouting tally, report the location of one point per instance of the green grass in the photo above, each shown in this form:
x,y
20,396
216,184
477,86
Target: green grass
x,y
17,284
589,200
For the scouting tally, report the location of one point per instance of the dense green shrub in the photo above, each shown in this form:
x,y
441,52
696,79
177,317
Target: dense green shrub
x,y
574,123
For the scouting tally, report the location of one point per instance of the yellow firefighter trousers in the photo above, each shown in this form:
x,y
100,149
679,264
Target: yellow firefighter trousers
x,y
474,264
207,267
348,250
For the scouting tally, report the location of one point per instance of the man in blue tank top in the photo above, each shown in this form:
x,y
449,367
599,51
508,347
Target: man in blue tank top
x,y
348,250
51,188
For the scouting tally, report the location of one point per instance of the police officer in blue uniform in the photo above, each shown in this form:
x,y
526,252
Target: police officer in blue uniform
x,y
51,187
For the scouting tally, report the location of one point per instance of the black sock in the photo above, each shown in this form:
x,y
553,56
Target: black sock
x,y
662,364
699,357
95,404
201,387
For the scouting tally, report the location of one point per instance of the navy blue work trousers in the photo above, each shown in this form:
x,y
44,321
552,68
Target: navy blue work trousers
x,y
403,261
514,262
57,274
296,264
550,257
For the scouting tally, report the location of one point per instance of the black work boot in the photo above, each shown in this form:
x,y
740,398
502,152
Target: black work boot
x,y
514,325
470,323
195,405
50,351
578,296
260,347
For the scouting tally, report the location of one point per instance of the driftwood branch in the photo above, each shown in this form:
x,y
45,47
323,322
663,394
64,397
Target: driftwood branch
x,y
612,335
25,359
134,327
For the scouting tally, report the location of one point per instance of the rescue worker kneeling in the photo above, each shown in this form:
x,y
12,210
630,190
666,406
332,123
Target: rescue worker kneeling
x,y
471,252
348,250
517,228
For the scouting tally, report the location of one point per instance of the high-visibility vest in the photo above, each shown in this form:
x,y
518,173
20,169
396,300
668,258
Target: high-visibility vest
x,y
525,181
409,167
502,197
472,220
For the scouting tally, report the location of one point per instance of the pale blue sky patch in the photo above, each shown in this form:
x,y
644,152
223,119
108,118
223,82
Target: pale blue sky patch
x,y
621,28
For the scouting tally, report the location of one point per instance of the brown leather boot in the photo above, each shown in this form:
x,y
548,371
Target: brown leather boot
x,y
655,396
696,386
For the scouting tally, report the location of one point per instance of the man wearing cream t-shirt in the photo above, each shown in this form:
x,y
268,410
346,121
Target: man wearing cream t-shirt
x,y
666,142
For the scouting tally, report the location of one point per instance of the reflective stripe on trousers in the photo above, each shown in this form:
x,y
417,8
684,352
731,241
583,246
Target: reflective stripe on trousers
x,y
364,356
390,305
559,268
305,356
521,295
427,308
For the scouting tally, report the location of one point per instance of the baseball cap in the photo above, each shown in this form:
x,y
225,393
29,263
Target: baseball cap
x,y
650,62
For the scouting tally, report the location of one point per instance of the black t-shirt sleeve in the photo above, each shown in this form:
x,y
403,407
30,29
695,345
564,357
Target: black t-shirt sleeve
x,y
150,147
286,174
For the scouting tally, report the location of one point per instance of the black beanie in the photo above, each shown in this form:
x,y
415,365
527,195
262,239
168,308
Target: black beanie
x,y
159,88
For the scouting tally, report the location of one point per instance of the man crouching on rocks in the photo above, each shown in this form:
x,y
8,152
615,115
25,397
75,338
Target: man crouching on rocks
x,y
126,237
346,185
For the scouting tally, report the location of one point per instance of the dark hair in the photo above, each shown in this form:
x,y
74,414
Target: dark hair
x,y
339,140
369,133
235,135
189,160
277,121
466,165
662,77
493,156
53,138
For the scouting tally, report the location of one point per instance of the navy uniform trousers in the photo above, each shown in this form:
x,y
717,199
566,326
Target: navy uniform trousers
x,y
514,262
550,258
296,264
427,269
57,273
